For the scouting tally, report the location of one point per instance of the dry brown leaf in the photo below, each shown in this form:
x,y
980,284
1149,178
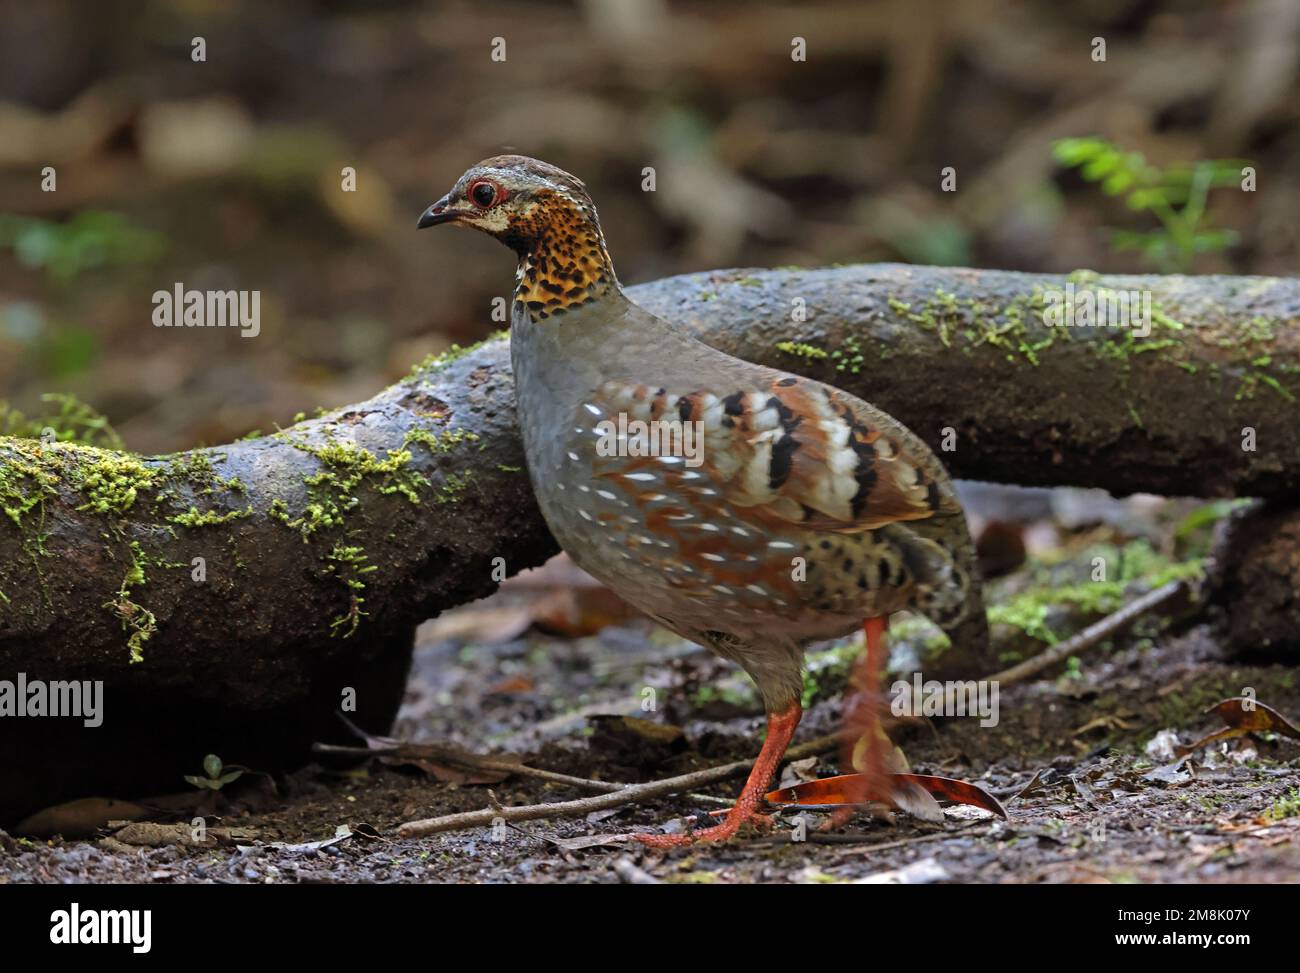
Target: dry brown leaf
x,y
847,788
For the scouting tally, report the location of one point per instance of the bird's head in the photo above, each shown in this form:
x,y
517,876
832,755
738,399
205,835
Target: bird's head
x,y
542,213
515,199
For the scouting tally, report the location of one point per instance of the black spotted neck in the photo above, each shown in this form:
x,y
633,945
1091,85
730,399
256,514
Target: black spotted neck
x,y
563,260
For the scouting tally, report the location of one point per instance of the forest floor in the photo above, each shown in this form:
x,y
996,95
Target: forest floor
x,y
1104,808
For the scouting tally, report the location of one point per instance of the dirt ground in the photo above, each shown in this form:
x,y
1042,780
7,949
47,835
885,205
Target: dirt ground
x,y
1097,813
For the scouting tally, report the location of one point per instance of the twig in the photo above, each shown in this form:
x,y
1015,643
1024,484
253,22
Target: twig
x,y
380,746
627,794
1090,636
462,759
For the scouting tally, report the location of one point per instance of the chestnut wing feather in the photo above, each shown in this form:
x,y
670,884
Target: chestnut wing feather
x,y
790,450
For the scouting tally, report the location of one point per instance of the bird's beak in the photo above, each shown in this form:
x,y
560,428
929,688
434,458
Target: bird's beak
x,y
437,213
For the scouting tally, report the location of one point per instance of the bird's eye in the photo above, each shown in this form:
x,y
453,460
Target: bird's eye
x,y
483,193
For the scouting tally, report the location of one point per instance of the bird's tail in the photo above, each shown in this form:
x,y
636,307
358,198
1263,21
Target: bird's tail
x,y
968,630
954,595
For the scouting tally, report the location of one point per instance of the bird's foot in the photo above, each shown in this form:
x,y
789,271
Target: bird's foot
x,y
719,832
780,728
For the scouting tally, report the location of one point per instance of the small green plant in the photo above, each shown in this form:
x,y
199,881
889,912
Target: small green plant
x,y
1287,806
70,419
1176,195
214,779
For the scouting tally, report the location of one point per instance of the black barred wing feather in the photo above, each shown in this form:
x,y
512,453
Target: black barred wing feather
x,y
787,451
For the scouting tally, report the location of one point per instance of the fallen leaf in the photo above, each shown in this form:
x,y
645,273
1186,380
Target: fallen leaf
x,y
1040,779
79,819
449,764
341,833
513,686
558,598
576,612
844,789
799,772
1172,773
590,841
1242,715
150,834
1082,789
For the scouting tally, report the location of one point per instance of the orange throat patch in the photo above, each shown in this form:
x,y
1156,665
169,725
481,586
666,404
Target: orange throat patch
x,y
567,264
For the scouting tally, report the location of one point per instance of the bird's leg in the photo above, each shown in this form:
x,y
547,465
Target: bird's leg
x,y
780,729
862,721
870,668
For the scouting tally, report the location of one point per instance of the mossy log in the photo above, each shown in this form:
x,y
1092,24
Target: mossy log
x,y
230,597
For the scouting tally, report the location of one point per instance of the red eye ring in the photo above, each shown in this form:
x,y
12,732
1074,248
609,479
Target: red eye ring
x,y
483,194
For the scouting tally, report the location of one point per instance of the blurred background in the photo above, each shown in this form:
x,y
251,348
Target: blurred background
x,y
226,172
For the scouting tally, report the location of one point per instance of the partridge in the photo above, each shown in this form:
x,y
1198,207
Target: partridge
x,y
782,512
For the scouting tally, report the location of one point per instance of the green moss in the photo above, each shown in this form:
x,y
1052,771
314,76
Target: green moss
x,y
981,323
1121,344
208,518
436,363
25,482
1251,355
196,471
453,487
1135,563
1287,806
826,671
1082,277
70,420
1187,706
345,467
706,695
436,442
850,358
140,623
1251,380
1028,613
113,482
349,563
801,350
1017,328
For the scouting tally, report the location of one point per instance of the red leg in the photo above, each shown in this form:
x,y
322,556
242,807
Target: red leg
x,y
780,728
870,670
862,721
